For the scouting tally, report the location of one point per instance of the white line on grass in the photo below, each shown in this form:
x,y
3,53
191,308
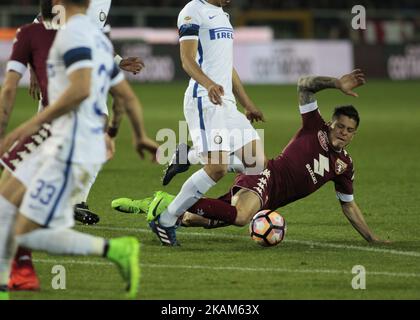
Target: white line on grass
x,y
243,269
304,242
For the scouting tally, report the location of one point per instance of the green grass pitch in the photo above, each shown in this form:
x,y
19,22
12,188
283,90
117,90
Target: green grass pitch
x,y
315,260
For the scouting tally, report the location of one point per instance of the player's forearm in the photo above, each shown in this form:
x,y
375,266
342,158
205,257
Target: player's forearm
x,y
7,100
118,111
308,86
355,217
191,67
135,115
239,91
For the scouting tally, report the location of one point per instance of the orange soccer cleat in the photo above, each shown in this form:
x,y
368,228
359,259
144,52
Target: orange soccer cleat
x,y
23,276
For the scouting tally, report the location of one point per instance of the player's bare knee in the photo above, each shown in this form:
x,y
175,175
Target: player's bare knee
x,y
187,219
243,216
242,220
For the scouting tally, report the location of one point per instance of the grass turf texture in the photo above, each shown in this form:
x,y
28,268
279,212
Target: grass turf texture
x,y
225,263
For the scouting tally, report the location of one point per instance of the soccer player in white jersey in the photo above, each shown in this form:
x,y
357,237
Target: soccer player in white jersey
x,y
81,71
206,44
98,12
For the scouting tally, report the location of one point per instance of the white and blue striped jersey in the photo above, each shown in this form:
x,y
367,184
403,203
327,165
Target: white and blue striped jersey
x,y
210,25
78,136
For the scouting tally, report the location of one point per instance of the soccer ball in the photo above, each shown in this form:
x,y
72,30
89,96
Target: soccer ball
x,y
267,228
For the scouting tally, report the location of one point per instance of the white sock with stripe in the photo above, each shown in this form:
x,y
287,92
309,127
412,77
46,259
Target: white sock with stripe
x,y
84,195
62,241
192,191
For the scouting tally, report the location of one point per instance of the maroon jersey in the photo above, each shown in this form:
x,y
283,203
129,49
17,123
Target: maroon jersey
x,y
304,166
20,151
32,45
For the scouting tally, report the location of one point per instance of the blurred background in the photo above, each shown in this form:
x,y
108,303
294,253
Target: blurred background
x,y
276,40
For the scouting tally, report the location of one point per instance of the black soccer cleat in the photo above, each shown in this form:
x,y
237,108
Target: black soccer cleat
x,y
84,215
179,163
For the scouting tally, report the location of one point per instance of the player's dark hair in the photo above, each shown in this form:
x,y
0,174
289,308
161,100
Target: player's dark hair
x,y
46,9
349,111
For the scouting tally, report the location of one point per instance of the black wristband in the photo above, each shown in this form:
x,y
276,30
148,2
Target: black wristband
x,y
112,132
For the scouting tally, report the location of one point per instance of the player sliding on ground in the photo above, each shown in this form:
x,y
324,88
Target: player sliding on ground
x,y
36,203
314,156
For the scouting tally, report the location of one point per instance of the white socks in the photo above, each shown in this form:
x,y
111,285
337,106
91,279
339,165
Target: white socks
x,y
63,242
7,244
84,194
235,164
192,190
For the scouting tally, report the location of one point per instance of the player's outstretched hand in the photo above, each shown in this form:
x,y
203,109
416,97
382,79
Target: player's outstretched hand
x,y
350,81
376,240
254,114
132,64
25,130
215,93
149,145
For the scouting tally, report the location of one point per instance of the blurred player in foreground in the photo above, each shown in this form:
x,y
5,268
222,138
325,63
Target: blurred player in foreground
x,y
31,47
36,203
313,157
98,12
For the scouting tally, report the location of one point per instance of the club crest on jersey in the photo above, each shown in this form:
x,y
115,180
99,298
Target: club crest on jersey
x,y
323,139
218,139
340,166
187,19
221,33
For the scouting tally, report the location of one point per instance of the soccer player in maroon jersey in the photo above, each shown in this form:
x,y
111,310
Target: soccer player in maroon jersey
x,y
31,47
314,156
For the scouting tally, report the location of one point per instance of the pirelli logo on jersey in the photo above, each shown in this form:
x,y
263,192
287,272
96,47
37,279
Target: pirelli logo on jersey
x,y
221,33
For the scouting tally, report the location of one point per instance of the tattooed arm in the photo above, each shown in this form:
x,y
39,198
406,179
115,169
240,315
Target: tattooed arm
x,y
308,86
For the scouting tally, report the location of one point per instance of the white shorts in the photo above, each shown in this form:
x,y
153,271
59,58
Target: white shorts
x,y
53,187
217,128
